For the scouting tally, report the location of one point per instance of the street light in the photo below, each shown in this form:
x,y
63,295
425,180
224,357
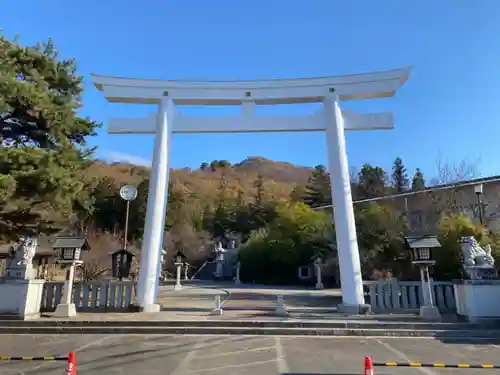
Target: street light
x,y
128,194
478,189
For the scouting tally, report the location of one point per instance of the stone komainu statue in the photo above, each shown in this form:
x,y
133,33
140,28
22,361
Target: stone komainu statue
x,y
24,253
474,255
20,261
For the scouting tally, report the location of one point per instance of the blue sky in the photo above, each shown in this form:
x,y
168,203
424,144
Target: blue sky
x,y
449,108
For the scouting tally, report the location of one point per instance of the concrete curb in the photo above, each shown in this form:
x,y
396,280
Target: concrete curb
x,y
456,334
247,324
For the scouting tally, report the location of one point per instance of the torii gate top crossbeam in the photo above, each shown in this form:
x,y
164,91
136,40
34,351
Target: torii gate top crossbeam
x,y
280,91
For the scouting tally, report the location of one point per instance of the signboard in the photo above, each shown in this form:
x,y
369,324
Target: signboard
x,y
128,192
121,262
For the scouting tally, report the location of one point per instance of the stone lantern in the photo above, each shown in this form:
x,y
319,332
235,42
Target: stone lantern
x,y
179,261
318,265
421,249
68,251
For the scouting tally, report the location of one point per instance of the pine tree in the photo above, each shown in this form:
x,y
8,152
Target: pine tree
x,y
318,189
418,181
399,176
371,182
43,149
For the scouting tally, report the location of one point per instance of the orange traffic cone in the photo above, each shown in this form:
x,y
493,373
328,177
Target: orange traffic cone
x,y
71,369
368,366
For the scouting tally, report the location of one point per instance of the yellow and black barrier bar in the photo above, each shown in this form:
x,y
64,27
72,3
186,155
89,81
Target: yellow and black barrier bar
x,y
46,358
437,365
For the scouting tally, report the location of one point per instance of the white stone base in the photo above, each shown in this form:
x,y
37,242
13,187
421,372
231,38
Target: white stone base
x,y
478,300
65,310
216,312
430,313
281,312
153,308
177,287
21,299
320,286
354,309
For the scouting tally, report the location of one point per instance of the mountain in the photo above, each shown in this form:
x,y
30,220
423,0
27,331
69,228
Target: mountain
x,y
279,178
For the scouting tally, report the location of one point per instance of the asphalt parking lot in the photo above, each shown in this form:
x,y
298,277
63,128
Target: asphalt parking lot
x,y
178,355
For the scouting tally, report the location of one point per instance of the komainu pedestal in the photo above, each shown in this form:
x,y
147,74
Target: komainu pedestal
x,y
478,297
20,294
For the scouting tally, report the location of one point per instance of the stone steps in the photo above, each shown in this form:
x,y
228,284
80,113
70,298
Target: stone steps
x,y
130,321
264,326
217,329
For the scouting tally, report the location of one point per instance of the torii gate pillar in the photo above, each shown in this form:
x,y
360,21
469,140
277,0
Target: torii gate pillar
x,y
247,94
353,300
147,284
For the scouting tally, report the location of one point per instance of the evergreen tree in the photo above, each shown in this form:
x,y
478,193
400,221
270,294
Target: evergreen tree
x,y
418,181
222,219
371,182
318,189
259,186
399,176
43,148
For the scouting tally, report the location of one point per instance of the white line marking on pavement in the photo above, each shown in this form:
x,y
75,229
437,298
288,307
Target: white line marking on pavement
x,y
280,357
181,367
235,352
92,343
404,357
233,366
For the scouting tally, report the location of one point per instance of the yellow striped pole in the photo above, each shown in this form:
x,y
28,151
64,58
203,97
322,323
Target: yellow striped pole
x,y
45,358
439,365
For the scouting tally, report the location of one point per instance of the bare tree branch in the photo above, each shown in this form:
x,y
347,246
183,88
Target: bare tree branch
x,y
449,172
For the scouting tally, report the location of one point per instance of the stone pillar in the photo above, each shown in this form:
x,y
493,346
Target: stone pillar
x,y
218,268
347,244
68,308
217,310
428,310
319,281
237,280
155,215
186,269
178,285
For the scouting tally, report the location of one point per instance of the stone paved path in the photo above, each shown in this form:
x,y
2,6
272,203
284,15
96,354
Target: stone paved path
x,y
191,355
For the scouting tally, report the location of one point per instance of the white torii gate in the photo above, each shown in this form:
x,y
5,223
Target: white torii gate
x,y
247,95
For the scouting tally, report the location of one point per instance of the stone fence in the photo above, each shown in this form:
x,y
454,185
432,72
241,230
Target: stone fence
x,y
91,295
390,296
405,296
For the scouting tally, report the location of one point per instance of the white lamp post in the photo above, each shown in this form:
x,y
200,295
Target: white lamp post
x,y
128,194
